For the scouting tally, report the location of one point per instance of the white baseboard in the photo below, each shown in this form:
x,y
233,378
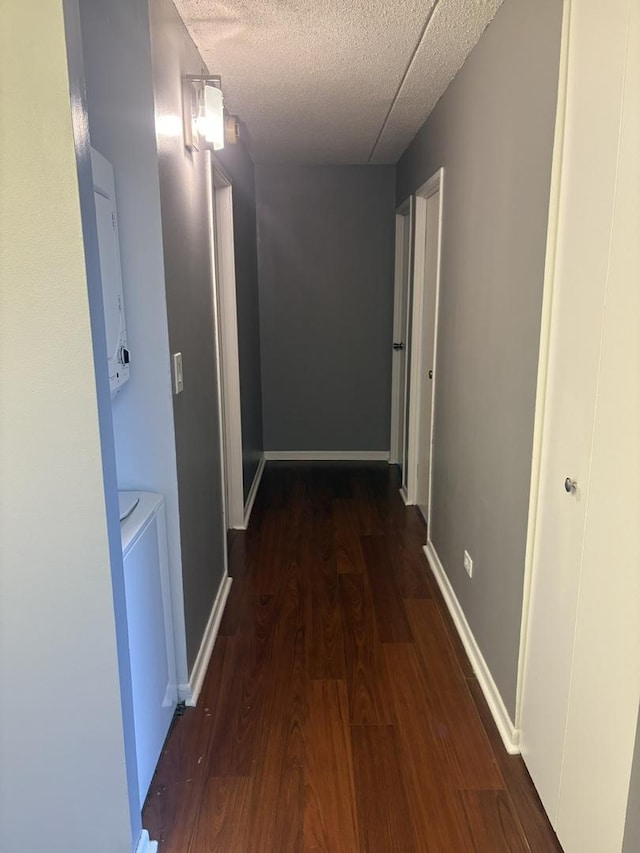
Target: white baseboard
x,y
253,491
145,845
508,732
326,455
404,496
188,693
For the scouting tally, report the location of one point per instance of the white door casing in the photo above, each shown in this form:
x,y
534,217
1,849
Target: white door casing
x,y
407,318
226,336
424,315
580,674
400,319
427,362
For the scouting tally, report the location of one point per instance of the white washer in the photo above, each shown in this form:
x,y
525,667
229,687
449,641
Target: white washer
x,y
149,625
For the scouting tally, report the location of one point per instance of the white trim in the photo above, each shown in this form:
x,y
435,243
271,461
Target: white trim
x,y
431,187
190,692
145,845
253,491
326,455
440,176
506,728
545,337
218,349
394,453
227,322
403,222
410,476
404,495
167,606
222,178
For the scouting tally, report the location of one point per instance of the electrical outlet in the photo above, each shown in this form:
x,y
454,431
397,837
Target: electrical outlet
x,y
468,564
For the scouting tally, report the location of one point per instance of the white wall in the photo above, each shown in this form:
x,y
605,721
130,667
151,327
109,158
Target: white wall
x,y
117,61
63,785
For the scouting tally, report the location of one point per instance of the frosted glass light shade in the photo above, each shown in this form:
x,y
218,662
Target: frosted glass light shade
x,y
210,122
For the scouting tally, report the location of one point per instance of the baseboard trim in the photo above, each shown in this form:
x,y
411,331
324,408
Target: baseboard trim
x,y
145,845
253,491
326,455
404,495
506,728
189,693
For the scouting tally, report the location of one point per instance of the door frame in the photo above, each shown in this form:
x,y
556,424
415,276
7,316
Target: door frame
x,y
226,344
404,221
546,317
416,387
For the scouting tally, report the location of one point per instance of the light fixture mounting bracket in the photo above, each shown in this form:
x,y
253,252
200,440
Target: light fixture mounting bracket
x,y
216,79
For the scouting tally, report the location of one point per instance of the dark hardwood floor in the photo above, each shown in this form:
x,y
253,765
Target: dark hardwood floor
x,y
339,712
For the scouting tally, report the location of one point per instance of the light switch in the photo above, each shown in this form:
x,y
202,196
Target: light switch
x,y
178,380
468,564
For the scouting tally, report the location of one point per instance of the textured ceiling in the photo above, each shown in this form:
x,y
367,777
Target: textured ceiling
x,y
334,81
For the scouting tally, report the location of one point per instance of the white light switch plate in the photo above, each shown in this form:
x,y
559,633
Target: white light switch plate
x,y
178,379
468,564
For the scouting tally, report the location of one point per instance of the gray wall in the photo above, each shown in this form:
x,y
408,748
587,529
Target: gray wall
x,y
325,255
632,828
493,132
239,165
186,234
115,35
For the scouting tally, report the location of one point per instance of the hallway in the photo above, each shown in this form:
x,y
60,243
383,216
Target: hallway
x,y
339,712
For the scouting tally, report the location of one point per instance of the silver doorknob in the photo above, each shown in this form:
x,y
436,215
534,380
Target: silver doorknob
x,y
570,486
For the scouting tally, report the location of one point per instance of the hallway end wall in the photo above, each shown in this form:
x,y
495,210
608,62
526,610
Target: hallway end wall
x,y
326,261
492,131
236,161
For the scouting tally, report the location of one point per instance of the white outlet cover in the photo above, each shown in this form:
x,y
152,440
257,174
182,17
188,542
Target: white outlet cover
x,y
468,564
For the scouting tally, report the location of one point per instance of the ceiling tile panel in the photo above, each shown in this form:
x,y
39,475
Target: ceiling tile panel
x,y
314,80
452,33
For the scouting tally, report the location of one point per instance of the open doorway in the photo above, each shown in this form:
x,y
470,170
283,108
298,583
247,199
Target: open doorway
x,y
401,339
226,340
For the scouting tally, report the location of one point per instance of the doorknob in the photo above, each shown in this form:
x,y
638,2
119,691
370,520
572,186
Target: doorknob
x,y
431,374
570,486
398,346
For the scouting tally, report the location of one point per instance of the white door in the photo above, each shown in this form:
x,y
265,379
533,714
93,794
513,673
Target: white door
x,y
400,336
582,662
424,311
428,352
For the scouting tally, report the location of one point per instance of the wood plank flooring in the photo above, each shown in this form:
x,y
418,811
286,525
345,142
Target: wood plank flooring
x,y
339,712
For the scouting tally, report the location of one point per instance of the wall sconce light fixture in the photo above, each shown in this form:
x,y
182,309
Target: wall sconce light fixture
x,y
203,107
